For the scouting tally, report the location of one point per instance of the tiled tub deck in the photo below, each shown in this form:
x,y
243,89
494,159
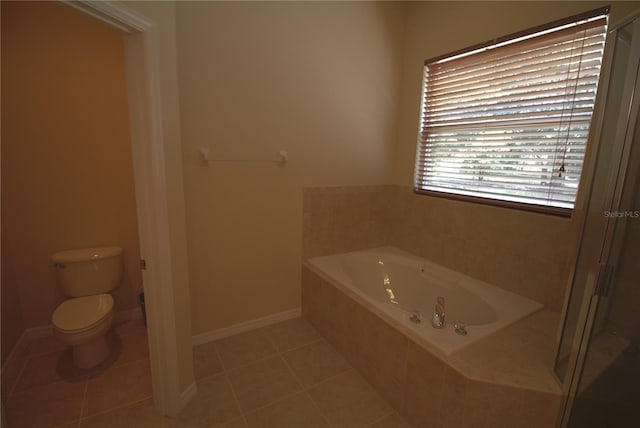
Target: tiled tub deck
x,y
501,381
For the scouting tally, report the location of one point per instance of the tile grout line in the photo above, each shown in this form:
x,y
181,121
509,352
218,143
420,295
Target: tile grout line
x,y
323,381
131,404
275,353
279,353
65,424
70,380
13,391
84,401
305,389
276,401
321,339
235,398
86,376
233,391
317,407
291,372
381,418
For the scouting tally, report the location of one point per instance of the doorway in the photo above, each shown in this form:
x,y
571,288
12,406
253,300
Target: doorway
x,y
170,359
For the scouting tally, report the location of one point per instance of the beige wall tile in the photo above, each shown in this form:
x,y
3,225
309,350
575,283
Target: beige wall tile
x,y
380,353
532,249
424,383
341,219
454,389
358,335
491,406
539,409
423,388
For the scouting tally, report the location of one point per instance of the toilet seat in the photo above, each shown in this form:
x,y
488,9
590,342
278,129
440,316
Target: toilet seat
x,y
82,313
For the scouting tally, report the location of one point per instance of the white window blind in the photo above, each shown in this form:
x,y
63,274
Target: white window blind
x,y
509,121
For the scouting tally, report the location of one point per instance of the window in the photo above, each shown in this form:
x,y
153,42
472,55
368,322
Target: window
x,y
506,122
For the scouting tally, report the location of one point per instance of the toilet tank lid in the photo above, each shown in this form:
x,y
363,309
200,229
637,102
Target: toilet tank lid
x,y
85,254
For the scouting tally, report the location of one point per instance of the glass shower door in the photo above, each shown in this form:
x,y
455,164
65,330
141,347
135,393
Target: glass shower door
x,y
608,392
599,355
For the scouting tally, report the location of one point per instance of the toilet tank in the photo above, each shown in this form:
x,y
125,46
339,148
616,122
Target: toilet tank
x,y
88,271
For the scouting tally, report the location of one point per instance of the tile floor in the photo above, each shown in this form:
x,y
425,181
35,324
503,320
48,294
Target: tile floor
x,y
50,392
284,375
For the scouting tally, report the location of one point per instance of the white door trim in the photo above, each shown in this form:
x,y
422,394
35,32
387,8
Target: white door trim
x,y
147,141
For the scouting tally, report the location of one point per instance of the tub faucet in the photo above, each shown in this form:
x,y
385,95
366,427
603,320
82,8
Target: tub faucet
x,y
437,321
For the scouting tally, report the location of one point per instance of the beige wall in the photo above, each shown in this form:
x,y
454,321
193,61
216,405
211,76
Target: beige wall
x,y
11,310
317,79
336,85
66,156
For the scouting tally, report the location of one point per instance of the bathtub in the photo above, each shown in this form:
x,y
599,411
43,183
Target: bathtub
x,y
403,288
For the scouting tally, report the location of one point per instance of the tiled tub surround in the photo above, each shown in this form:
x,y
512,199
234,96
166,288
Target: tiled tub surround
x,y
518,251
340,219
503,380
401,285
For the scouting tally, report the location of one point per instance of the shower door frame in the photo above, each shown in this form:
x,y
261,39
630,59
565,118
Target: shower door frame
x,y
594,290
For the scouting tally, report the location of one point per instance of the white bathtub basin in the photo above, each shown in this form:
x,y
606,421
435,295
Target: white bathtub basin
x,y
397,284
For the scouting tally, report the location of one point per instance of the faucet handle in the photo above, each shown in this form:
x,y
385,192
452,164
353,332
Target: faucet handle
x,y
437,320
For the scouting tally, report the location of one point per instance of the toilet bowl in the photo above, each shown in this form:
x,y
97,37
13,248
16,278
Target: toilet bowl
x,y
83,321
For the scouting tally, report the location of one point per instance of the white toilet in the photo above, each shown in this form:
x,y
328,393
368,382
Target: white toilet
x,y
83,321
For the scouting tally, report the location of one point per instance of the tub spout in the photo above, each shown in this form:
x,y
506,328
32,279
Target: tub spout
x,y
437,321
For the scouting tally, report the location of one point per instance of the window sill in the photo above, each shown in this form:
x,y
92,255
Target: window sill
x,y
540,209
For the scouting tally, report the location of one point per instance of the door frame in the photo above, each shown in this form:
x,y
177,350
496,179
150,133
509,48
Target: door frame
x,y
141,41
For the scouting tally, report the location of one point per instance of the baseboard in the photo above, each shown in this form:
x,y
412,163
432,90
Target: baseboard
x,y
18,350
34,333
128,315
242,327
187,395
